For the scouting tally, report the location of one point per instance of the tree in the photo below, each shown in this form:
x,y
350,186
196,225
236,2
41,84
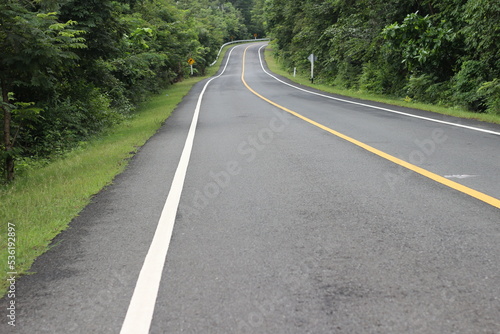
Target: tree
x,y
58,89
424,45
434,51
99,20
34,47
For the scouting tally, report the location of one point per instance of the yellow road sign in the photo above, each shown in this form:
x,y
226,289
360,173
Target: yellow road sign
x,y
191,61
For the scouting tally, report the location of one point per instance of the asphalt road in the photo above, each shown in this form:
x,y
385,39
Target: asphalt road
x,y
284,227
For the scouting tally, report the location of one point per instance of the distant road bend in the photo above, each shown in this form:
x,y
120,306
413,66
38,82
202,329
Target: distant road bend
x,y
263,207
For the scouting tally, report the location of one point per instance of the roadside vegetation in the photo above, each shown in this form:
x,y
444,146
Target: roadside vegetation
x,y
75,108
45,197
70,69
303,77
83,83
444,53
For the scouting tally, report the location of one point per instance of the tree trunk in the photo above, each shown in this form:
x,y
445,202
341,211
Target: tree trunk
x,y
431,9
7,117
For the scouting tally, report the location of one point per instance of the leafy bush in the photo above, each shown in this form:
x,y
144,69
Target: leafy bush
x,y
79,111
372,79
490,91
101,75
348,75
466,83
425,88
141,74
424,43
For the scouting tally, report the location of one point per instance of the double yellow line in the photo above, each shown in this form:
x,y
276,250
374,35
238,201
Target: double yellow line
x,y
454,185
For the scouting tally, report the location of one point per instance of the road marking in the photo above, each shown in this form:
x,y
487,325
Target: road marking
x,y
142,305
375,107
457,186
459,176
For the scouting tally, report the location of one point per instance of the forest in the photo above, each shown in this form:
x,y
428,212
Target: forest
x,y
443,52
70,69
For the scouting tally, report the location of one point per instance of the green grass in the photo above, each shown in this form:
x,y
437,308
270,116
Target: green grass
x,y
303,79
43,200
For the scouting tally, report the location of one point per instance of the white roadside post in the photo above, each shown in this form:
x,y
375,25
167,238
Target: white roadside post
x,y
312,58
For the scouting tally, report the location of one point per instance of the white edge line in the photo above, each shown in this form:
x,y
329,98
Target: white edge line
x,y
234,42
142,304
374,107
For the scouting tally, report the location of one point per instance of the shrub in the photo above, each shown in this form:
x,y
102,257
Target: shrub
x,y
490,91
78,111
348,75
371,79
425,88
466,84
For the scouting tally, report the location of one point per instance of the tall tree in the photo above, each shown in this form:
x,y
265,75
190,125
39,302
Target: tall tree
x,y
34,47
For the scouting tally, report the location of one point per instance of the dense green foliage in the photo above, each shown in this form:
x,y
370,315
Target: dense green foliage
x,y
443,52
71,68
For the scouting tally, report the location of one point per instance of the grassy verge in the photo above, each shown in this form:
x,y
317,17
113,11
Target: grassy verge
x,y
43,201
303,79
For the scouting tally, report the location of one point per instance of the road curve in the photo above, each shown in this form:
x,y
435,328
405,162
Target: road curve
x,y
282,226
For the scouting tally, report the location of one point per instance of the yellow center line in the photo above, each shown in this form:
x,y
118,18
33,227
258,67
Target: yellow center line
x,y
454,185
